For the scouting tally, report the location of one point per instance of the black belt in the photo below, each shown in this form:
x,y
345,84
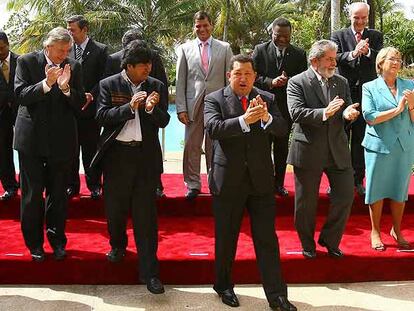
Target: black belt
x,y
132,143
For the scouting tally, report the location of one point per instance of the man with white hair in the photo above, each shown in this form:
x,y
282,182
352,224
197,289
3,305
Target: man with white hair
x,y
319,103
358,47
49,94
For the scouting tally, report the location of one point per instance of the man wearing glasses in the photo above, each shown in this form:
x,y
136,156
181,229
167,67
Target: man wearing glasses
x,y
358,47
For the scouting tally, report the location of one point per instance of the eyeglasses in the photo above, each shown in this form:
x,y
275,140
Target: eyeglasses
x,y
395,60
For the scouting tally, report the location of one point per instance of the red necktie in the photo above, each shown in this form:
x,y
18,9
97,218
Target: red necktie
x,y
244,102
358,36
204,55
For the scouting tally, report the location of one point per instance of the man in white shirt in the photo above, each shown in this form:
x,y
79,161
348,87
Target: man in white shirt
x,y
131,107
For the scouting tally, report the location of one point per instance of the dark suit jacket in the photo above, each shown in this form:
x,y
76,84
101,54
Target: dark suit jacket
x,y
265,61
312,137
234,151
114,111
7,98
360,69
94,60
45,123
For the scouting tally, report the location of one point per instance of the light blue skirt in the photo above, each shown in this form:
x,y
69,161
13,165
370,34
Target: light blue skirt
x,y
388,175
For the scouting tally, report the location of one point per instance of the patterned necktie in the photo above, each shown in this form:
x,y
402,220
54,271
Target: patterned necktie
x,y
204,55
244,103
6,70
279,56
78,52
325,88
358,36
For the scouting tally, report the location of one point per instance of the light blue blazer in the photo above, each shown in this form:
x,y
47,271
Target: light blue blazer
x,y
376,97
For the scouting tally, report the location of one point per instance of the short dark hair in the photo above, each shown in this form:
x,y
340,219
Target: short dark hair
x,y
79,19
241,58
136,52
281,22
3,37
202,15
131,35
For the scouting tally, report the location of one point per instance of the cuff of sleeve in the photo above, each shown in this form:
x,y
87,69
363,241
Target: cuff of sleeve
x,y
46,88
149,111
265,125
245,127
371,116
350,57
369,53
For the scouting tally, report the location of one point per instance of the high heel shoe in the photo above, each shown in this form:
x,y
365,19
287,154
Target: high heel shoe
x,y
401,243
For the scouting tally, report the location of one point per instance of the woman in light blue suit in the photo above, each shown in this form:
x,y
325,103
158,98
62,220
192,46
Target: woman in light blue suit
x,y
388,108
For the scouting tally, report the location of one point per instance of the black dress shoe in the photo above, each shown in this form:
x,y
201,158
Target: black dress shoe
x,y
309,254
96,194
59,253
8,194
71,192
228,297
332,251
360,190
282,303
38,254
116,254
160,193
192,194
155,286
281,191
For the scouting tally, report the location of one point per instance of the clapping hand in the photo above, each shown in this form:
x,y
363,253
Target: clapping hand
x,y
280,80
152,100
333,106
137,99
52,73
64,77
351,112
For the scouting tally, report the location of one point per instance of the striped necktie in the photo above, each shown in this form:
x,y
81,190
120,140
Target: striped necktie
x,y
78,52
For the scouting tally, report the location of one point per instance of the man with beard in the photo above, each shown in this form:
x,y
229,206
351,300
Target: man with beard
x,y
319,103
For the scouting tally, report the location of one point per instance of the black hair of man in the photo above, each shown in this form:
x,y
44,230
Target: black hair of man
x,y
202,15
136,52
79,19
3,37
241,58
131,35
281,22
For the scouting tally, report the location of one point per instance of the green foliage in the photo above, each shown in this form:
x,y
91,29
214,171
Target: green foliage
x,y
306,29
398,32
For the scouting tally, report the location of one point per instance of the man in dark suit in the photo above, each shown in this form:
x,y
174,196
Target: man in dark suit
x,y
319,102
48,87
239,119
113,66
7,116
276,61
357,51
131,108
92,55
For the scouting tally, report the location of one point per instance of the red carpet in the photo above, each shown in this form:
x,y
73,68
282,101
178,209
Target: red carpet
x,y
186,248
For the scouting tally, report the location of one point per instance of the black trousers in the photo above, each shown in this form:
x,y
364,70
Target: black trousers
x,y
356,132
228,213
130,186
38,174
307,182
88,136
7,169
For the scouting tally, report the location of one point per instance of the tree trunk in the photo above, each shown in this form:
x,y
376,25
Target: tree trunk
x,y
371,20
226,23
335,15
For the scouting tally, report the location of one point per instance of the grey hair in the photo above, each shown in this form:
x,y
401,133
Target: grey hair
x,y
354,5
320,47
57,34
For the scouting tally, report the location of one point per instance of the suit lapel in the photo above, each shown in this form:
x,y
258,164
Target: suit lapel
x,y
88,50
315,85
386,93
197,52
232,102
215,47
350,39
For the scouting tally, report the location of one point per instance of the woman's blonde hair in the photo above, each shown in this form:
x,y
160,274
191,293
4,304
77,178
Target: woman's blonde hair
x,y
382,55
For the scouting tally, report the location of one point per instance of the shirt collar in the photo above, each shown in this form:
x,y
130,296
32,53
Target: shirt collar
x,y
320,78
209,40
354,31
84,43
127,79
7,59
279,49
